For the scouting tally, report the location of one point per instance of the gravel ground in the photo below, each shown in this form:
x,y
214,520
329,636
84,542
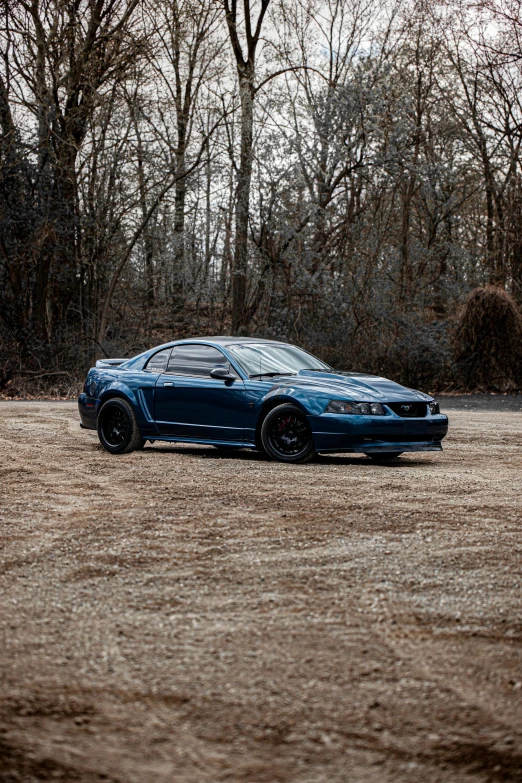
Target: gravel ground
x,y
481,402
183,616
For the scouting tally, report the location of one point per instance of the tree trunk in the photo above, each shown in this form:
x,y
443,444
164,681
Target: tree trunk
x,y
208,215
244,178
180,195
246,73
147,238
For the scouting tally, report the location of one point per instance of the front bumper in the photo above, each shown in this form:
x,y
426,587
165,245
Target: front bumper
x,y
368,434
88,408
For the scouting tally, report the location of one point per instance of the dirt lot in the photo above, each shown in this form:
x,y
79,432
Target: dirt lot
x,y
179,615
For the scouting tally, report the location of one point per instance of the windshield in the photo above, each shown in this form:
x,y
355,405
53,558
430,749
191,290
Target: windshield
x,y
259,359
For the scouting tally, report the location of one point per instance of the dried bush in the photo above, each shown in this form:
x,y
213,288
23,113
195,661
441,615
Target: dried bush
x,y
487,341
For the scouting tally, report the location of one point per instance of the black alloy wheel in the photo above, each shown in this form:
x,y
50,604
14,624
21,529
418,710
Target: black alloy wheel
x,y
286,435
118,429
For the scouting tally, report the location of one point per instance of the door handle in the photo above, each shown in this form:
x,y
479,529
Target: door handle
x,y
168,383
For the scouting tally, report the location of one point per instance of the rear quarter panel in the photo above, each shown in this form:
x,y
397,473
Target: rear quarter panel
x,y
136,387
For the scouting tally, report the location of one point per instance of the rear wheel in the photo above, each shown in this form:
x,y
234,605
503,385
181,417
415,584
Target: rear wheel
x,y
286,435
118,429
385,456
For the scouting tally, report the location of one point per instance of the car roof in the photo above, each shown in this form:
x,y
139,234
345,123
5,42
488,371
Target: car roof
x,y
223,340
228,340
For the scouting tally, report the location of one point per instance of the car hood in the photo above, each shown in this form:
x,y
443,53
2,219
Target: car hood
x,y
354,386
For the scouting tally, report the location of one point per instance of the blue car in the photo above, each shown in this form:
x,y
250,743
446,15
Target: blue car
x,y
240,392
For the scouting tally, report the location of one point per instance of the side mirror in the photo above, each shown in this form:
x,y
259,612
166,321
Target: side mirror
x,y
222,373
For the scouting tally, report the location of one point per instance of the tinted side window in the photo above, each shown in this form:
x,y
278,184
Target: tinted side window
x,y
196,360
158,362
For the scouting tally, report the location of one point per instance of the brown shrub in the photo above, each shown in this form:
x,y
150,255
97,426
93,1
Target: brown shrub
x,y
487,340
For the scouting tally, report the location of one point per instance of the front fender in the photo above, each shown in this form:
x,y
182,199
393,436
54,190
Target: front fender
x,y
260,400
311,404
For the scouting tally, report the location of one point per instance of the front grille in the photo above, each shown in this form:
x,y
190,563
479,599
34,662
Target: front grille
x,y
409,410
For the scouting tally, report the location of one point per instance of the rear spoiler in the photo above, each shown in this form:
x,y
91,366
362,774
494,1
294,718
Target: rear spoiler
x,y
106,363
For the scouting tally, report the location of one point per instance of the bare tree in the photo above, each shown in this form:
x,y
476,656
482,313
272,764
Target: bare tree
x,y
61,64
245,58
186,61
157,179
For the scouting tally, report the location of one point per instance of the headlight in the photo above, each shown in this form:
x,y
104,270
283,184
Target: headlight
x,y
434,407
355,408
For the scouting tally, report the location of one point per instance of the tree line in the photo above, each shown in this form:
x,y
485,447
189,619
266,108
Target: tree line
x,y
339,173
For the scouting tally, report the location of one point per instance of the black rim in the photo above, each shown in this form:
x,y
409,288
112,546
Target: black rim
x,y
288,434
115,427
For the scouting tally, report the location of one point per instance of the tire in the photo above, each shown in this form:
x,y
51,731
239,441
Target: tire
x,y
385,456
286,435
118,429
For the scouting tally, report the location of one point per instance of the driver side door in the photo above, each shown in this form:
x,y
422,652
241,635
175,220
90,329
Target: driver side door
x,y
188,403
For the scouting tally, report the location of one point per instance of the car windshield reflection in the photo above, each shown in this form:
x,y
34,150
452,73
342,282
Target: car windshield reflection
x,y
259,360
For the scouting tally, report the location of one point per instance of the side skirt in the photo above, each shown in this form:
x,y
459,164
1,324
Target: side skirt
x,y
236,443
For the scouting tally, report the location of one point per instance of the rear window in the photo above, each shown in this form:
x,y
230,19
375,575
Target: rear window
x,y
158,362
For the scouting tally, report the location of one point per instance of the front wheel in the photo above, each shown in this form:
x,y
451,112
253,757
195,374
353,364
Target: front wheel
x,y
385,456
286,435
118,429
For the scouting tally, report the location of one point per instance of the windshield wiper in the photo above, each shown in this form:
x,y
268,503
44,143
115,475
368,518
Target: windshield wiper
x,y
270,374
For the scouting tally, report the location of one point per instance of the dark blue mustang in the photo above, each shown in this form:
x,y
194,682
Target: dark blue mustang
x,y
234,392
